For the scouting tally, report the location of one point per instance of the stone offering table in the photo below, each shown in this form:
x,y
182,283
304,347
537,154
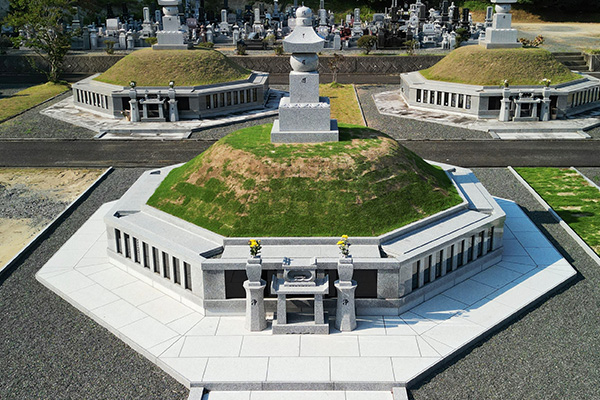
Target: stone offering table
x,y
300,279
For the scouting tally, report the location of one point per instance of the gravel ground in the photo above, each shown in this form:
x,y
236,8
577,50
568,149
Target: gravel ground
x,y
405,128
32,124
18,201
550,352
594,133
52,351
592,174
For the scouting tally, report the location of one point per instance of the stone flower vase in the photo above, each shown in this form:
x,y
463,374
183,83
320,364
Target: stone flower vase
x,y
345,269
254,268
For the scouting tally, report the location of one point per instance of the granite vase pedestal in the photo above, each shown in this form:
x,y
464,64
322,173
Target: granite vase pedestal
x,y
256,319
345,316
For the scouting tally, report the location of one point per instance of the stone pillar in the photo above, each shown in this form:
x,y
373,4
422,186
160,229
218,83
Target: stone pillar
x,y
130,40
345,317
545,113
505,106
173,112
255,296
134,108
94,38
122,39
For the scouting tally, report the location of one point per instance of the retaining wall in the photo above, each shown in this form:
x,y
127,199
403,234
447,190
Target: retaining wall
x,y
352,69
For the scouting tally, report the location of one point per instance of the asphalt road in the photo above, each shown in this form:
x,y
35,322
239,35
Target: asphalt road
x,y
142,153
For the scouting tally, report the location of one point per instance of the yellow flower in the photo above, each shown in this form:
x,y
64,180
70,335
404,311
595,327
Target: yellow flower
x,y
341,242
344,236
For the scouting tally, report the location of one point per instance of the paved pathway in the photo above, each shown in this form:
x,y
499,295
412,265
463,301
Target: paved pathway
x,y
391,103
383,351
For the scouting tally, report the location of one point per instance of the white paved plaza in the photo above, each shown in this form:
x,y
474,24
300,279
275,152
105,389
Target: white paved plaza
x,y
384,351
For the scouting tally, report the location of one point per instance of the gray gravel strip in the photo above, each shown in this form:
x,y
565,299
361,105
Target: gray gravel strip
x,y
52,351
591,173
32,124
405,128
18,202
551,352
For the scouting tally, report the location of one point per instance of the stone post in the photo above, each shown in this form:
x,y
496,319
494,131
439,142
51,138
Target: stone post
x,y
134,108
256,319
545,112
93,38
173,112
345,317
505,106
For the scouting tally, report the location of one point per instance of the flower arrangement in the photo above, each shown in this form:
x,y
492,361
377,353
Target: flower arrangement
x,y
344,246
546,82
255,247
504,83
538,41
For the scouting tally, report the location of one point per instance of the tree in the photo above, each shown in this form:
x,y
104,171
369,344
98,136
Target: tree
x,y
41,24
366,42
335,64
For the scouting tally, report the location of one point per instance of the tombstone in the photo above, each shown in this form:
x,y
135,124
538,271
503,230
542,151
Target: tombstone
x,y
112,26
170,37
130,40
147,28
122,39
489,17
304,117
337,41
236,34
445,17
209,34
501,35
93,38
453,14
85,34
158,19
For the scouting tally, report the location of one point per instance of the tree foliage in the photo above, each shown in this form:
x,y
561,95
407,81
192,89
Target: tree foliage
x,y
41,23
366,42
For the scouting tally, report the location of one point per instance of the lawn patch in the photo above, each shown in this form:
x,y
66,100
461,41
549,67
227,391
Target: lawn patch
x,y
28,98
344,106
572,197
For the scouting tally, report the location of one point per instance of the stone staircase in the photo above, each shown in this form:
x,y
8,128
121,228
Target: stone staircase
x,y
573,61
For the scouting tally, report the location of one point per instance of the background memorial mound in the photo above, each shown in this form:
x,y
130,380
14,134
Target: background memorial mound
x,y
365,184
185,67
476,65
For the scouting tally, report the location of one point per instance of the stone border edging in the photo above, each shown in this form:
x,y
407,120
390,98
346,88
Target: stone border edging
x,y
41,235
362,113
589,251
32,107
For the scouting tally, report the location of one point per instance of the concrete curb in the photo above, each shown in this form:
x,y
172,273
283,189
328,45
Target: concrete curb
x,y
32,107
561,222
362,113
591,182
42,234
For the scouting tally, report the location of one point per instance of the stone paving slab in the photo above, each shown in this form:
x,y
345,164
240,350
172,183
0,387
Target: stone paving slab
x,y
115,129
384,351
391,103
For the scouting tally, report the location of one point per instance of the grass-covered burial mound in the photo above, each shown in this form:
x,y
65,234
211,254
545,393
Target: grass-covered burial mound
x,y
149,67
364,185
476,65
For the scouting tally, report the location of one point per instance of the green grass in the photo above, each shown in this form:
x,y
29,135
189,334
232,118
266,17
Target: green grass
x,y
30,97
364,185
148,67
572,197
477,66
344,106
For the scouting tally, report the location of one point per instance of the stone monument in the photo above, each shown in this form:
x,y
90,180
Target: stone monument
x,y
255,296
304,117
170,37
501,35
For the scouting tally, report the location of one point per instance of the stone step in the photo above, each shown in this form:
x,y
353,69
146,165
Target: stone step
x,y
301,395
566,54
